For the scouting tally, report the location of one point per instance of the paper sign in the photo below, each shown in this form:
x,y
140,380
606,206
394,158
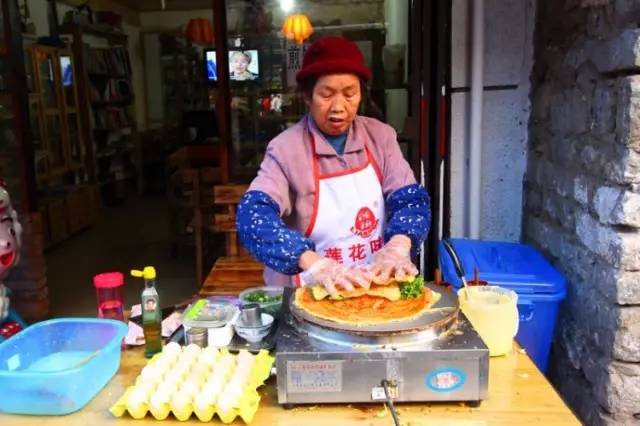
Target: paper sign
x,y
294,53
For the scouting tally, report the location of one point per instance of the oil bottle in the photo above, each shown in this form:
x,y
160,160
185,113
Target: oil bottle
x,y
151,313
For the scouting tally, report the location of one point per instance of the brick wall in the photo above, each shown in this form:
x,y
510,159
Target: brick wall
x,y
582,197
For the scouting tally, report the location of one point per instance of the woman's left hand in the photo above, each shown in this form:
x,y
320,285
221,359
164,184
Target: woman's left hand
x,y
393,261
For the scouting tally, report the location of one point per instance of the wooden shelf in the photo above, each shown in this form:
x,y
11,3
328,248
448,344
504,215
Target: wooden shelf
x,y
116,151
123,129
126,177
96,30
107,75
122,101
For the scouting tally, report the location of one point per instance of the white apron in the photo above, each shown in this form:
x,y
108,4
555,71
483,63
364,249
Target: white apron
x,y
348,216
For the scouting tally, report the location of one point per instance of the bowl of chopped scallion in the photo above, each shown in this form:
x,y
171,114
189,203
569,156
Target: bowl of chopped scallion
x,y
269,298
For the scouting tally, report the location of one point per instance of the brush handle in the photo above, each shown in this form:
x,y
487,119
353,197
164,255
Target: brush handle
x,y
454,257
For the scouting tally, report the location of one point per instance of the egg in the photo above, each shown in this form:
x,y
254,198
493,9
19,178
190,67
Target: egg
x,y
225,402
234,390
197,378
167,388
183,369
227,362
211,352
193,349
200,370
218,375
151,373
159,398
243,369
172,349
240,378
174,377
212,388
189,389
238,381
165,362
246,357
139,395
186,359
203,401
206,359
180,401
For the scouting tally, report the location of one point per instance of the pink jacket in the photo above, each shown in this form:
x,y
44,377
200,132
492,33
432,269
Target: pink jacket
x,y
286,173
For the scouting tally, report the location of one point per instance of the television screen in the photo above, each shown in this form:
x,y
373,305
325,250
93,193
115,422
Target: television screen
x,y
244,65
212,70
66,70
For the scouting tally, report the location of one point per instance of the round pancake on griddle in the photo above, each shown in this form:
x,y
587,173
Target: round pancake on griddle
x,y
365,310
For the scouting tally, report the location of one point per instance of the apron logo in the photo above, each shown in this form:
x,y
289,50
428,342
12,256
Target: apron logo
x,y
366,223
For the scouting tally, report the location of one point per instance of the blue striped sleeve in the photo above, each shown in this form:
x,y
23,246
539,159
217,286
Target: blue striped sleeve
x,y
409,213
263,232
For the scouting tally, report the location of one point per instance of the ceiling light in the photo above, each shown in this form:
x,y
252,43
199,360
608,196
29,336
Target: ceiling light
x,y
286,5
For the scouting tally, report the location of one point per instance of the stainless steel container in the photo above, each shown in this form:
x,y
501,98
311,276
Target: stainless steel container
x,y
251,315
197,336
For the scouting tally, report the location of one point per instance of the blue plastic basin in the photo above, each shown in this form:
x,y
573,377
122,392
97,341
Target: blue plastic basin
x,y
44,369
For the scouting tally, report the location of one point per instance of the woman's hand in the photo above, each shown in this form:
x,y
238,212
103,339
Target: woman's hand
x,y
331,274
393,261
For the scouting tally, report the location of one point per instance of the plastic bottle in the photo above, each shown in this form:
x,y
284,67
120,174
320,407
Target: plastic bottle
x,y
151,313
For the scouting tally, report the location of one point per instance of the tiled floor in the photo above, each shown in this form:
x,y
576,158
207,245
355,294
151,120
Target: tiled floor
x,y
129,236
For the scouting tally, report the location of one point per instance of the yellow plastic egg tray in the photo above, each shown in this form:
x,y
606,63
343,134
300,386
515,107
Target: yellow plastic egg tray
x,y
189,381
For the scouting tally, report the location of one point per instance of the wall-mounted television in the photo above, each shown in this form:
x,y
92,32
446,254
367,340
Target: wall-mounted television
x,y
66,70
244,65
211,65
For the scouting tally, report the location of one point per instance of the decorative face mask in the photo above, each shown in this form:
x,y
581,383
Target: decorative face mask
x,y
6,209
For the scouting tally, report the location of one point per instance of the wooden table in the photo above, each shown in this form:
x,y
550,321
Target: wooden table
x,y
518,395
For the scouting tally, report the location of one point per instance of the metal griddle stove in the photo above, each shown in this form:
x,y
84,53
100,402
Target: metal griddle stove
x,y
436,357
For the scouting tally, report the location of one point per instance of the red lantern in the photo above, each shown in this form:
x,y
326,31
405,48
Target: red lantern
x,y
297,27
199,30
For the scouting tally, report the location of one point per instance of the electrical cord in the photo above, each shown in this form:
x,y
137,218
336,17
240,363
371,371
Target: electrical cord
x,y
389,402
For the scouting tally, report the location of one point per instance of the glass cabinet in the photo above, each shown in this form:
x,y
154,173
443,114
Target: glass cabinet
x,y
55,121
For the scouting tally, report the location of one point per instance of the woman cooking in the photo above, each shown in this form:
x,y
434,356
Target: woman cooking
x,y
334,201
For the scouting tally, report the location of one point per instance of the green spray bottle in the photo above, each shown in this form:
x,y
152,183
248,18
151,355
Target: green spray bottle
x,y
151,313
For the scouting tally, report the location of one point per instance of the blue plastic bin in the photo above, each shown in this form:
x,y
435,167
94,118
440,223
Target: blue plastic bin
x,y
520,268
56,367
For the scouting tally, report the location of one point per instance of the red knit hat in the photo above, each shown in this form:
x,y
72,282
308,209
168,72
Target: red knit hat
x,y
333,55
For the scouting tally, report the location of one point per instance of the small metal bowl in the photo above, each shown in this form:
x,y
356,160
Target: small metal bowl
x,y
271,308
257,333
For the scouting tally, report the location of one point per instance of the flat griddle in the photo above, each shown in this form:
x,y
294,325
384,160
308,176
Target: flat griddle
x,y
438,317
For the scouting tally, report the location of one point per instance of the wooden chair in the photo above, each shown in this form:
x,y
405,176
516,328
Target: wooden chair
x,y
236,270
190,194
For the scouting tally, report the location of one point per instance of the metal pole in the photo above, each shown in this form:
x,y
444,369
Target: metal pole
x,y
474,203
